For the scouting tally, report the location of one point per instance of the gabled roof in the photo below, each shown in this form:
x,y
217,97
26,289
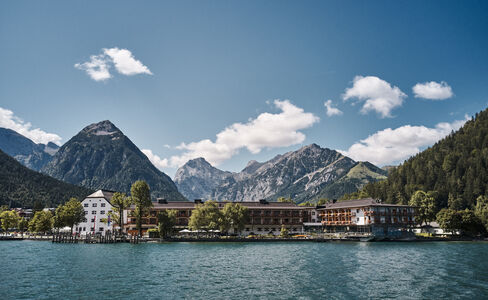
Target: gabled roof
x,y
107,194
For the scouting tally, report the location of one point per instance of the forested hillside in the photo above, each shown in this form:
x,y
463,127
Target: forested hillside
x,y
22,187
455,169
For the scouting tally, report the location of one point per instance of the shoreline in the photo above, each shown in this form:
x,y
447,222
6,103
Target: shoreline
x,y
257,240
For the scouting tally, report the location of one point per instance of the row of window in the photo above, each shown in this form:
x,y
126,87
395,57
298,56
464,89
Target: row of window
x,y
94,204
80,229
94,212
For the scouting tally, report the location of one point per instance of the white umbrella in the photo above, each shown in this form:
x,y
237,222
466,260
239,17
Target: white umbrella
x,y
185,231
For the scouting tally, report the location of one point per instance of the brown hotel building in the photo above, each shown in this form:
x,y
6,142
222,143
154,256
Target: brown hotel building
x,y
367,215
264,216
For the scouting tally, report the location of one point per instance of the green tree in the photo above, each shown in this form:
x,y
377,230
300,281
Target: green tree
x,y
470,223
119,202
235,216
9,219
141,197
72,213
206,216
449,220
283,199
481,210
58,219
22,225
41,222
426,206
167,222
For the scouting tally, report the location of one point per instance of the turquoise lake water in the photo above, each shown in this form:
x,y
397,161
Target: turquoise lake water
x,y
437,270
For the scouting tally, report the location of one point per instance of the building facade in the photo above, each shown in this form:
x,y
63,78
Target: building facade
x,y
97,208
264,217
368,216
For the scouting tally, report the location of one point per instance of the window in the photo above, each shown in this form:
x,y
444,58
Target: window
x,y
92,220
94,205
101,229
102,212
102,204
85,205
313,213
84,228
86,212
357,219
357,210
94,212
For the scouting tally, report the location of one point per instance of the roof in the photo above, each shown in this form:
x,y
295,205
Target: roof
x,y
360,203
248,204
107,194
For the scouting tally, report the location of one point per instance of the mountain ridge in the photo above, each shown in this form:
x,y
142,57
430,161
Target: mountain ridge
x,y
302,174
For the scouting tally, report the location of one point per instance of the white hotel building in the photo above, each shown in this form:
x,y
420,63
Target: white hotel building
x,y
97,207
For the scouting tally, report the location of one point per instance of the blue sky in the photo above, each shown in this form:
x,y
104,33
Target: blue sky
x,y
212,64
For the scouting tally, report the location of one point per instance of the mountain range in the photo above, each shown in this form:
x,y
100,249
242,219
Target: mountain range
x,y
307,174
101,156
25,151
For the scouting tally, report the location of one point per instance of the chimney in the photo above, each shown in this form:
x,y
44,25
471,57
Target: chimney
x,y
198,201
263,201
162,201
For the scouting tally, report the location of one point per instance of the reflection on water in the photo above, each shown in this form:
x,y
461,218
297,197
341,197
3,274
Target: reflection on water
x,y
244,270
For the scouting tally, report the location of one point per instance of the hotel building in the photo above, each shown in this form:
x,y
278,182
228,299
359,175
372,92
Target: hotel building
x,y
264,217
367,215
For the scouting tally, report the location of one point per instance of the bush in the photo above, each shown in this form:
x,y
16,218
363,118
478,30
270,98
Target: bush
x,y
153,233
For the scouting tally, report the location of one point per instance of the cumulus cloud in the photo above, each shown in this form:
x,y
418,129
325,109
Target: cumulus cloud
x,y
394,145
432,90
98,68
268,130
330,110
377,94
10,121
156,160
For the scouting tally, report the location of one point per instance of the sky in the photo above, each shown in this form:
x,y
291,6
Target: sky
x,y
234,81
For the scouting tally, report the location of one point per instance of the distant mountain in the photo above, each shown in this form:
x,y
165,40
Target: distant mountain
x,y
24,150
102,157
21,186
197,179
307,174
358,176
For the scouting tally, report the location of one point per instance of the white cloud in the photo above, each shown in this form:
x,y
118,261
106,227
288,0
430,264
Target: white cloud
x,y
432,90
266,131
389,146
156,160
98,68
331,111
125,63
9,120
378,94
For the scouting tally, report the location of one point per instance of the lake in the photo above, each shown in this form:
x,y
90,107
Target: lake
x,y
347,270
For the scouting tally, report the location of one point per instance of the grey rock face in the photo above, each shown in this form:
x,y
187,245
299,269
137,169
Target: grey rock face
x,y
32,155
197,179
302,175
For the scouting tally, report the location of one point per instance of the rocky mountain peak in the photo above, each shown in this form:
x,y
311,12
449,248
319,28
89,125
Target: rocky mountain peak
x,y
101,128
